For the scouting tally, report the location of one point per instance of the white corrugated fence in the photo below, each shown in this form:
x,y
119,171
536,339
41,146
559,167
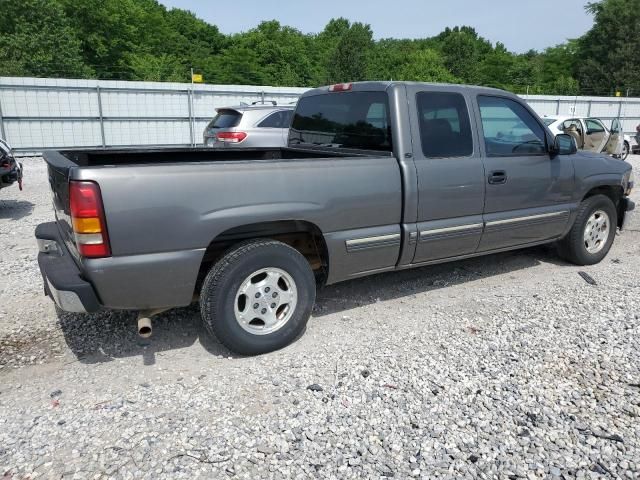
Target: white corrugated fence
x,y
41,113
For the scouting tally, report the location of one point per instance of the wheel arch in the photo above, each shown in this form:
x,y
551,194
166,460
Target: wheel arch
x,y
304,236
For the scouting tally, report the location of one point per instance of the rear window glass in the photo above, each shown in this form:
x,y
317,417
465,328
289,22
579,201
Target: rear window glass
x,y
357,120
280,119
226,119
445,129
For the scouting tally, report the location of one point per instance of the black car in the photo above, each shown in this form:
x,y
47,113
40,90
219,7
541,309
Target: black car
x,y
10,169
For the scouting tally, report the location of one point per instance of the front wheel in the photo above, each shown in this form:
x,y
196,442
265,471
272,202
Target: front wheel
x,y
258,297
593,231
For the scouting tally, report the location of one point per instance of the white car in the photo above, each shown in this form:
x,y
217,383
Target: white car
x,y
591,134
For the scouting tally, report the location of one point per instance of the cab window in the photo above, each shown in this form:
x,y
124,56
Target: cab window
x,y
509,129
445,129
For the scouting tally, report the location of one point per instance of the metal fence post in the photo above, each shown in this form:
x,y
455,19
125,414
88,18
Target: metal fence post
x,y
262,96
104,143
190,100
558,107
619,108
3,134
589,108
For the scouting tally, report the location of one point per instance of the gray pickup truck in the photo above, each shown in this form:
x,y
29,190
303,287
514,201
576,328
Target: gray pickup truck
x,y
377,176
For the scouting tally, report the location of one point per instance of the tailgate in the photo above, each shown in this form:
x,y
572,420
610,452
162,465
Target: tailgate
x,y
59,168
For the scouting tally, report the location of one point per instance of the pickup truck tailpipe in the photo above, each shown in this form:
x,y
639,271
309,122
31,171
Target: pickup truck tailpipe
x,y
145,328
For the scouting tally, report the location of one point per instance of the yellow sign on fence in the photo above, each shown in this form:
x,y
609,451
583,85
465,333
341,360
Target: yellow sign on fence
x,y
197,78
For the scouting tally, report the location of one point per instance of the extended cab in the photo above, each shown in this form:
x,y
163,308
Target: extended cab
x,y
377,176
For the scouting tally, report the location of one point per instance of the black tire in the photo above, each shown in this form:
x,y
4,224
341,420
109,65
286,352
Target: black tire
x,y
218,295
572,247
625,151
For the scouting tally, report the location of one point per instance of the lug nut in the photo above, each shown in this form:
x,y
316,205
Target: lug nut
x,y
256,305
264,310
275,294
267,289
257,294
273,305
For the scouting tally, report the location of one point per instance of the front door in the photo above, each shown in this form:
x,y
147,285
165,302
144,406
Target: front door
x,y
528,193
450,173
616,138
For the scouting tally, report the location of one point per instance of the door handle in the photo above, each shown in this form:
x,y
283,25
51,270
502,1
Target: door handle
x,y
498,177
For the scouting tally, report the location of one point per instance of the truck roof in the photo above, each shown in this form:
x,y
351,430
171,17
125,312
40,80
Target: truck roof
x,y
384,85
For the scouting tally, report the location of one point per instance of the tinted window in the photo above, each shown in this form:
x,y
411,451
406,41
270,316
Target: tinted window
x,y
509,128
347,119
548,121
594,126
445,129
277,120
226,119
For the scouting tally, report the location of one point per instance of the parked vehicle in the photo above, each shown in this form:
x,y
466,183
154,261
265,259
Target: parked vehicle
x,y
378,176
10,168
249,126
591,134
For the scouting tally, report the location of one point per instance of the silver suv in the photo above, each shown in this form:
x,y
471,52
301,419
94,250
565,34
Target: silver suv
x,y
249,126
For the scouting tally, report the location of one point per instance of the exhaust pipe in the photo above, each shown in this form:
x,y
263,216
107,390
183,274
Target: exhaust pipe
x,y
144,326
144,321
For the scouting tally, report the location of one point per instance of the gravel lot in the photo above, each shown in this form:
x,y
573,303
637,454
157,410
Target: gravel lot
x,y
508,366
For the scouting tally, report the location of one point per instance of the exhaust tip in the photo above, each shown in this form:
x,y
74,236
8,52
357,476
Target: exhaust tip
x,y
144,327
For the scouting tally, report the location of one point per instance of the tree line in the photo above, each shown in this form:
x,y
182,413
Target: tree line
x,y
143,40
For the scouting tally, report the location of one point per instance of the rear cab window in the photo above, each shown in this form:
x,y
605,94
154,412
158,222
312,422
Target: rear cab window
x,y
354,120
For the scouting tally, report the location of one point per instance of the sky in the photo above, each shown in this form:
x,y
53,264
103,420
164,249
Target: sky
x,y
520,24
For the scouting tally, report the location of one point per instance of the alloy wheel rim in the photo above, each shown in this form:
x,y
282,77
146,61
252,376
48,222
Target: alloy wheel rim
x,y
596,231
265,301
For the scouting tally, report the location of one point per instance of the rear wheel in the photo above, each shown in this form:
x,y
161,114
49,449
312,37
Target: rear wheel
x,y
593,231
258,297
626,148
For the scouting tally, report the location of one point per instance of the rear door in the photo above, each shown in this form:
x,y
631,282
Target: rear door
x,y
528,193
450,173
271,130
596,135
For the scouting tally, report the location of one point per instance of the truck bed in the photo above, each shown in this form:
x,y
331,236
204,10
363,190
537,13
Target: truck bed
x,y
98,158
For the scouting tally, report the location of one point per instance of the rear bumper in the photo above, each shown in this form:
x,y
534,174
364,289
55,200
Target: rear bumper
x,y
62,278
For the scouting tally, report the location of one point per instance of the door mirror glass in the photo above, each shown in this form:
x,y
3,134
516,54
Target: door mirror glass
x,y
565,145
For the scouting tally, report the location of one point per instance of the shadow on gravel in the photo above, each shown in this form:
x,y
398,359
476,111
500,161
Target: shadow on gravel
x,y
393,285
15,209
107,336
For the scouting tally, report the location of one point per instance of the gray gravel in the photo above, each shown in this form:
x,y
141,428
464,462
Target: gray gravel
x,y
509,366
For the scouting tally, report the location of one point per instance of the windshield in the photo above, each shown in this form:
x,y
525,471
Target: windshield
x,y
226,119
357,120
548,121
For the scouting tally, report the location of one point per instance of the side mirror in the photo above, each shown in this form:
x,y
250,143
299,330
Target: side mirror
x,y
564,145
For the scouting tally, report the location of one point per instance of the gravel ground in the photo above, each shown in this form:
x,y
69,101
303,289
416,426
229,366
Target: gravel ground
x,y
508,366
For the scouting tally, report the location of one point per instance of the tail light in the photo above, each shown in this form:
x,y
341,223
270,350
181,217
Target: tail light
x,y
231,137
5,164
340,87
87,216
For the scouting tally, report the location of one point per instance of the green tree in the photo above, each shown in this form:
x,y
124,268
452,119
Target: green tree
x,y
37,39
349,59
425,66
608,55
